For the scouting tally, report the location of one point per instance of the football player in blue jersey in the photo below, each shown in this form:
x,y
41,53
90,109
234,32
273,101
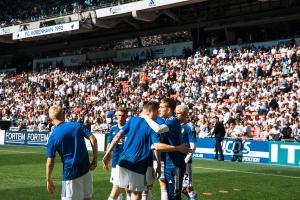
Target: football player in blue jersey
x,y
67,139
150,174
134,160
159,163
121,116
174,161
189,138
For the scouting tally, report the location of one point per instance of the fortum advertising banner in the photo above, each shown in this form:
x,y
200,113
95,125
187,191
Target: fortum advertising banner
x,y
34,138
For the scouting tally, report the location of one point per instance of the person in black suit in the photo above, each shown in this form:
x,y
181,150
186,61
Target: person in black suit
x,y
219,132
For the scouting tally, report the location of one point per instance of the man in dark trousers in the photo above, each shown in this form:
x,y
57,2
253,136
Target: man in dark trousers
x,y
219,132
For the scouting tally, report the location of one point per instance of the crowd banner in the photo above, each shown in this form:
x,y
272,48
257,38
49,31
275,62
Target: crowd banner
x,y
29,138
46,30
285,153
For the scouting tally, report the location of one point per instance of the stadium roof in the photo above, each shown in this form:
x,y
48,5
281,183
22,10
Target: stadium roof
x,y
206,14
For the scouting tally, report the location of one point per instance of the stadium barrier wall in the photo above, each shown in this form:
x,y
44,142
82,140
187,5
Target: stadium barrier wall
x,y
101,141
266,44
285,153
159,51
2,133
279,153
122,55
67,60
27,138
36,138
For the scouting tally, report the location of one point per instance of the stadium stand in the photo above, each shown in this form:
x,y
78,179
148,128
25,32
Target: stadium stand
x,y
254,91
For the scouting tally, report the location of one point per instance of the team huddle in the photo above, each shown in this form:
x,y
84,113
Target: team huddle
x,y
157,143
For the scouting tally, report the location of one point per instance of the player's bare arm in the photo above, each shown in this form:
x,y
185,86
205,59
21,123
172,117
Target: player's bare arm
x,y
94,144
113,143
165,147
49,170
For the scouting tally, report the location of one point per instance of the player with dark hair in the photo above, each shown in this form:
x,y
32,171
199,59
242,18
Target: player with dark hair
x,y
121,115
174,162
134,160
219,132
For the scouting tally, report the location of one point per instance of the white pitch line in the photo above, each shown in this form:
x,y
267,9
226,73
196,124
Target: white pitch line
x,y
245,172
12,151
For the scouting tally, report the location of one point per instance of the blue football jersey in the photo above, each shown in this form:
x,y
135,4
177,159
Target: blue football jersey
x,y
174,137
137,147
188,134
118,149
68,140
162,138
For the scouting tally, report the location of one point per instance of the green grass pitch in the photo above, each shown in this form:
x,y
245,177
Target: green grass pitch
x,y
22,176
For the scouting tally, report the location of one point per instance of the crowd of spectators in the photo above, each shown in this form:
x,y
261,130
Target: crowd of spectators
x,y
162,39
145,41
255,92
19,11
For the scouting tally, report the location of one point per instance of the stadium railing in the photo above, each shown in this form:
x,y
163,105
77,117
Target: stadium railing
x,y
15,20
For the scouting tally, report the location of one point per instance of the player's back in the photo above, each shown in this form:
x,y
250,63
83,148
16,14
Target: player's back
x,y
68,140
188,133
137,147
174,137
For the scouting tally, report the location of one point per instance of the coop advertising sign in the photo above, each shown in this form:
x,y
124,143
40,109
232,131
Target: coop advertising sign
x,y
250,150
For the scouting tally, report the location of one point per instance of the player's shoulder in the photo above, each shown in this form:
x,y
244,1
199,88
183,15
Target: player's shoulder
x,y
64,125
172,118
53,135
135,118
190,125
114,127
160,120
73,124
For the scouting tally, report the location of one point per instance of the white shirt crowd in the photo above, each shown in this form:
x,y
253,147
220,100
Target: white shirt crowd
x,y
254,92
